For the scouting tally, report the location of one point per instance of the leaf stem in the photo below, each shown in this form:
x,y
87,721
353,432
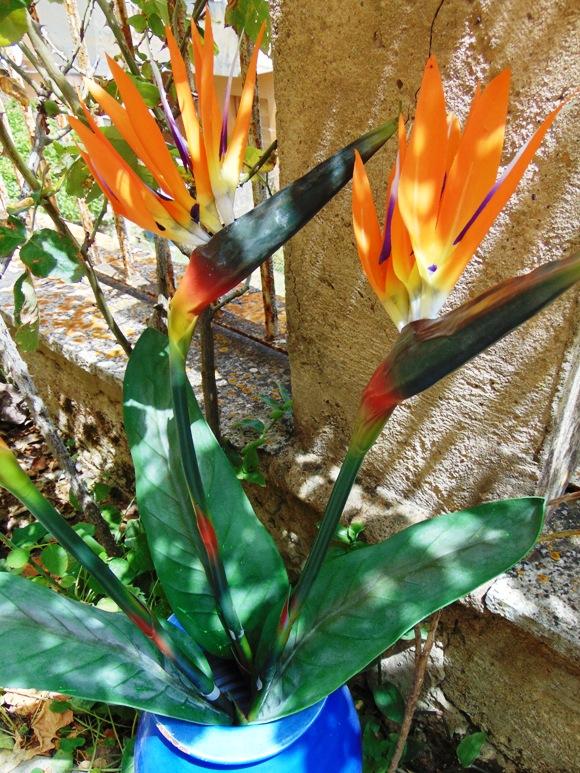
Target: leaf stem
x,y
208,546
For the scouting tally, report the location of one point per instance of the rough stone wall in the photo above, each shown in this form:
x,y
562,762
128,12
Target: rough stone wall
x,y
343,66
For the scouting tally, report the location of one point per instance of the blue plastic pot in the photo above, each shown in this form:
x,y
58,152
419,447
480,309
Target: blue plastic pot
x,y
324,738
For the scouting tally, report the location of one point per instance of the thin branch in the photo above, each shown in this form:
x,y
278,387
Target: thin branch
x,y
421,661
272,147
237,292
565,498
119,37
16,369
21,72
68,93
61,225
553,536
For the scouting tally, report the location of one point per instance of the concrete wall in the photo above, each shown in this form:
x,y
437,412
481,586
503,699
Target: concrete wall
x,y
343,66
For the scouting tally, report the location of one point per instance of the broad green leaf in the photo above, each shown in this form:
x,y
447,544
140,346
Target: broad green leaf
x,y
51,643
17,558
247,16
362,602
12,235
469,748
253,566
55,559
49,253
235,251
76,177
26,315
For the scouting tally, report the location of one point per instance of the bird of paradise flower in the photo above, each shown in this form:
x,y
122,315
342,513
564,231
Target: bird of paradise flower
x,y
214,159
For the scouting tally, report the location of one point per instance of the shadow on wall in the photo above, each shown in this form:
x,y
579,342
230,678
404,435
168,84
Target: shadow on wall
x,y
482,431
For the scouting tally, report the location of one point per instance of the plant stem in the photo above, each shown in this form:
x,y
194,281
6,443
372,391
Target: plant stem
x,y
208,546
19,163
421,661
330,520
119,37
68,93
208,380
14,366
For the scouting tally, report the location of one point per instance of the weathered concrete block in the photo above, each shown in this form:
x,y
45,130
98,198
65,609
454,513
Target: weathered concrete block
x,y
504,424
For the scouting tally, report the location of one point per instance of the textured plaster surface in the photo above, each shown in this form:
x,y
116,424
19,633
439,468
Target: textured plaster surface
x,y
343,66
523,694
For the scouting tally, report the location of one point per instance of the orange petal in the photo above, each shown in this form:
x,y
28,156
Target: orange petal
x,y
474,169
233,160
478,229
113,173
208,108
367,232
192,132
158,158
423,170
382,278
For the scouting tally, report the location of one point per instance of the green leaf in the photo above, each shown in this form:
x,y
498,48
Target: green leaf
x,y
469,748
253,566
148,91
51,643
127,759
12,24
389,701
27,536
247,16
26,315
139,22
49,253
55,559
17,558
235,251
12,235
429,349
75,178
6,741
362,602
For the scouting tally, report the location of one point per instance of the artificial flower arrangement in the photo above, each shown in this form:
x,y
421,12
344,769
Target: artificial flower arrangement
x,y
289,646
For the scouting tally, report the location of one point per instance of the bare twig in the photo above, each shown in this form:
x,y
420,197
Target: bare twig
x,y
61,225
119,36
565,498
421,661
552,536
68,93
16,369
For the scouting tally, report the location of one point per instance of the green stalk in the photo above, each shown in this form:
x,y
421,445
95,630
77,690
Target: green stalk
x,y
15,480
363,438
208,546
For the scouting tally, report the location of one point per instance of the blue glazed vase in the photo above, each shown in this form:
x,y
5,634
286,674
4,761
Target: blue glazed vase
x,y
324,737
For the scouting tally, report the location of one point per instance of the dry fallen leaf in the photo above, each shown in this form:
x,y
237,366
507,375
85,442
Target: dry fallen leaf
x,y
44,723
